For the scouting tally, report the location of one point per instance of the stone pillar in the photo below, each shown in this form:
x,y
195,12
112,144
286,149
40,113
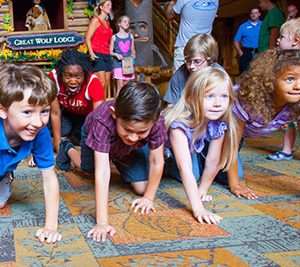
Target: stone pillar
x,y
140,14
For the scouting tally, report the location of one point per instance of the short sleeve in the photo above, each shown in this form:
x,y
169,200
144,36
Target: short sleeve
x,y
216,129
42,150
239,111
178,6
95,89
98,137
172,94
176,85
158,134
182,126
238,35
276,18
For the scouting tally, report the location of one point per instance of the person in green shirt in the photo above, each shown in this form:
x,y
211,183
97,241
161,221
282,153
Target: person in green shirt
x,y
269,29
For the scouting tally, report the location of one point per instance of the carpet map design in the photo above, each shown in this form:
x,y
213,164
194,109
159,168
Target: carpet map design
x,y
261,232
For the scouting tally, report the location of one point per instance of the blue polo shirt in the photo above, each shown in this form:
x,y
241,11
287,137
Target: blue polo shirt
x,y
40,148
248,34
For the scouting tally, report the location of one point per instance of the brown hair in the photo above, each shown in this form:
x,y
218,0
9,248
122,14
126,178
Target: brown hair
x,y
202,43
15,79
138,101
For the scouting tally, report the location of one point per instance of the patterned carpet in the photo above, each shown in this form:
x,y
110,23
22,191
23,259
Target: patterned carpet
x,y
262,232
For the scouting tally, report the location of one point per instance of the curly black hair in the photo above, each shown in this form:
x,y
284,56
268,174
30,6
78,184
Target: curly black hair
x,y
259,81
71,56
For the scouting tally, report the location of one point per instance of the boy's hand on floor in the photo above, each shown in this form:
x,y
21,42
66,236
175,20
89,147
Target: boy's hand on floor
x,y
50,236
100,231
145,204
205,216
242,190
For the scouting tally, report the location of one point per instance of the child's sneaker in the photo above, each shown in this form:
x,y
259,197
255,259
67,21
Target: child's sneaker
x,y
5,189
280,155
63,161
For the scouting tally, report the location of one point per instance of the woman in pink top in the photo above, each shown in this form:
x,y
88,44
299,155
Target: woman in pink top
x,y
97,40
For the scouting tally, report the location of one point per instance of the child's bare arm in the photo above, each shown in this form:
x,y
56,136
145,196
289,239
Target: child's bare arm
x,y
56,123
236,187
111,48
51,191
156,165
133,52
274,32
211,167
102,178
182,155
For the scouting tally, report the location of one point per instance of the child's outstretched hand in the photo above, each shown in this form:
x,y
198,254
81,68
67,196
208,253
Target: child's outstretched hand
x,y
50,236
205,216
145,204
241,190
100,231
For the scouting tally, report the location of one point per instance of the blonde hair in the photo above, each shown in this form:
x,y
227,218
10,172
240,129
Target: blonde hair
x,y
97,9
189,110
202,43
292,28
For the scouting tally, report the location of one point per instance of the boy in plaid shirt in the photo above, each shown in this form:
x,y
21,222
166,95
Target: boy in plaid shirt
x,y
131,132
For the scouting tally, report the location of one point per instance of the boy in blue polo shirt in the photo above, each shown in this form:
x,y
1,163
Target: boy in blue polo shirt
x,y
25,97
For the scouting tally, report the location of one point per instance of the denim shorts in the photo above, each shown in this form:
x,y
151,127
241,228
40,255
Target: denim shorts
x,y
198,163
138,171
87,154
70,125
102,63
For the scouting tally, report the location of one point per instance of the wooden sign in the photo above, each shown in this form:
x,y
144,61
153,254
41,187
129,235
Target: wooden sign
x,y
42,41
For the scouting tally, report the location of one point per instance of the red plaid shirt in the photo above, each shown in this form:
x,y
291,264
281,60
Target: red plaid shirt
x,y
102,135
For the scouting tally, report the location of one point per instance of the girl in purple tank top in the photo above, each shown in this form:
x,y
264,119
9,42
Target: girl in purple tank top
x,y
122,46
204,112
268,98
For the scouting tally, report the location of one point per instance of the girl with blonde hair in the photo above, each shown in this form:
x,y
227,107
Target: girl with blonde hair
x,y
204,112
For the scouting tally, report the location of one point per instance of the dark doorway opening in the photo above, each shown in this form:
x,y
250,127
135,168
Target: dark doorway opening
x,y
54,8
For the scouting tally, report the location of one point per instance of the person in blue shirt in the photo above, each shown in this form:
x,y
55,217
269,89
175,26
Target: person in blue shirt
x,y
246,39
26,93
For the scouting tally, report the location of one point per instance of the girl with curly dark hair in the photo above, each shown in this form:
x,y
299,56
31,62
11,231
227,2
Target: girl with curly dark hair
x,y
267,99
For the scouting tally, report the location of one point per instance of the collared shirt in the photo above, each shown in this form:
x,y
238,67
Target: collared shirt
x,y
40,147
102,135
248,34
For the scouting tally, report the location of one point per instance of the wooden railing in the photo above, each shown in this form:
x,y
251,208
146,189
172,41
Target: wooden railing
x,y
164,31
